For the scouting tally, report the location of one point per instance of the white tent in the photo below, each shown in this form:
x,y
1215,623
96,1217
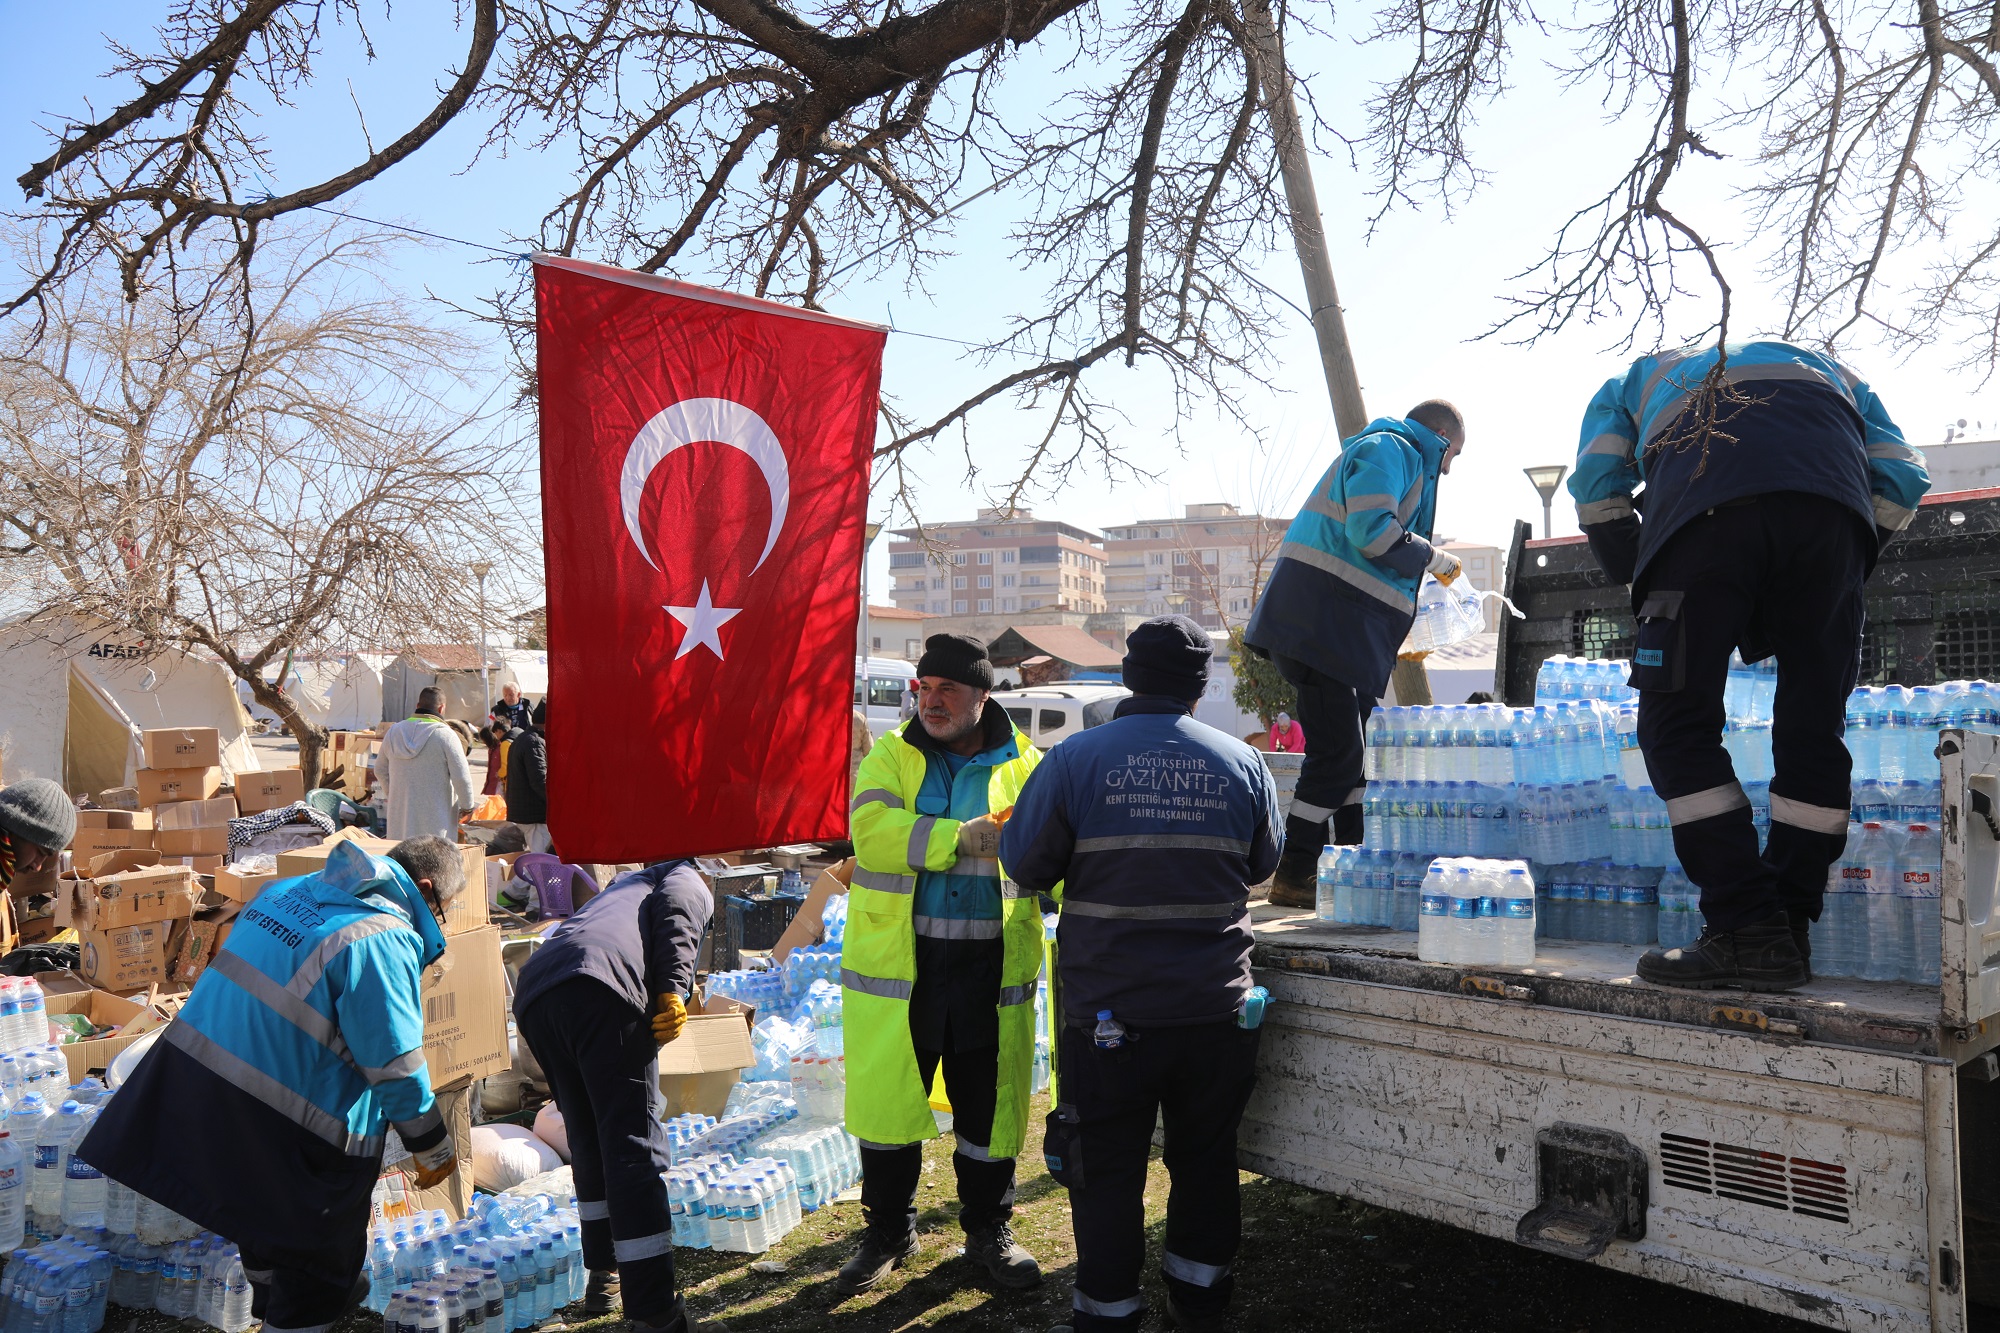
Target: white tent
x,y
80,691
527,669
341,693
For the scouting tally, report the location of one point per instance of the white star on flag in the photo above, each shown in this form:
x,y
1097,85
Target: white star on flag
x,y
702,620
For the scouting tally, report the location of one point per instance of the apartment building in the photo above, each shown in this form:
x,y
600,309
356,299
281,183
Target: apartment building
x,y
998,563
1209,564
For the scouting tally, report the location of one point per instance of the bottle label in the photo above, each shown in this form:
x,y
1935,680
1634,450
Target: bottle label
x,y
1436,904
1517,909
45,1156
1464,909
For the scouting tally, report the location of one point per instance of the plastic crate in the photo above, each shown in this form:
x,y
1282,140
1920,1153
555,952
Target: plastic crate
x,y
754,923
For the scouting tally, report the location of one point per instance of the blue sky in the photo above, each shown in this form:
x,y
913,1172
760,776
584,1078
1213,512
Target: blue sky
x,y
1416,294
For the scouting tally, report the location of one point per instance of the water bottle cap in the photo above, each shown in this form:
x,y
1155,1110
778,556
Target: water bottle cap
x,y
1103,1014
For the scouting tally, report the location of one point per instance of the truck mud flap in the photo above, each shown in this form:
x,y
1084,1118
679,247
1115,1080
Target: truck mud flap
x,y
1591,1191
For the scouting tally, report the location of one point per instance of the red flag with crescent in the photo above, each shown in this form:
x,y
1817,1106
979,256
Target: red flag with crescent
x,y
705,462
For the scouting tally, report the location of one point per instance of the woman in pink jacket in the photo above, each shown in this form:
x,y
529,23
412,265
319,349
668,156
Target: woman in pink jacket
x,y
1287,736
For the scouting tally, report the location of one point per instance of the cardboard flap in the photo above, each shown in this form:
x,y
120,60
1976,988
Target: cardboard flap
x,y
115,863
710,1044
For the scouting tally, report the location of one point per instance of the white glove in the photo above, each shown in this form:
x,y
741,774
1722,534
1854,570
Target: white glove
x,y
1444,566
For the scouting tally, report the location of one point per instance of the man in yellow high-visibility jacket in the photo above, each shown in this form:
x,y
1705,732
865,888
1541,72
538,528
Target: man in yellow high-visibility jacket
x,y
939,967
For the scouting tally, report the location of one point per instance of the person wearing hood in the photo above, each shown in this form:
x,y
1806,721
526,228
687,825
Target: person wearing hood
x,y
1150,830
37,820
1340,601
939,968
426,785
595,1003
262,1111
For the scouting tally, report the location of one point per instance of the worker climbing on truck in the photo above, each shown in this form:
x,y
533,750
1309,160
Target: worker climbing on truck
x,y
1772,479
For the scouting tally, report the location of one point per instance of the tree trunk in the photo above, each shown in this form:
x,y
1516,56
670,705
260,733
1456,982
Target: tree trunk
x,y
310,736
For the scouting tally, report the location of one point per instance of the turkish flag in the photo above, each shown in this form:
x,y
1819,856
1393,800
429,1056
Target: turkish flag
x,y
705,462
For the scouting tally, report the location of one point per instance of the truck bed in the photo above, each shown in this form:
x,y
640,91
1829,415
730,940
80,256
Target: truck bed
x,y
1599,978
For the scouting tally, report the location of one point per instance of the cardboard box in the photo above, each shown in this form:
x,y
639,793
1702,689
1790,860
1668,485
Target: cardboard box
x,y
134,1020
465,1011
128,958
208,840
92,843
269,789
698,1068
158,786
454,1196
809,925
201,865
468,911
114,819
308,860
149,893
182,747
239,886
179,815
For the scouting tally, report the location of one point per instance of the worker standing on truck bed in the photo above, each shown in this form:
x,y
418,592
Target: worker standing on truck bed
x,y
1154,827
939,968
1340,602
1766,502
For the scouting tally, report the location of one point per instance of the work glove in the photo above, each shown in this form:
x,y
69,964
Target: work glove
x,y
669,1019
435,1164
1411,657
979,837
1444,567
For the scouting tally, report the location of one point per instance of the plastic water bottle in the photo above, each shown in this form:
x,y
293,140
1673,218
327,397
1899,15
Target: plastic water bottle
x,y
1921,883
1463,918
236,1296
1434,917
1514,894
1407,891
33,1014
1886,943
1326,894
82,1202
13,1194
1110,1034
1638,906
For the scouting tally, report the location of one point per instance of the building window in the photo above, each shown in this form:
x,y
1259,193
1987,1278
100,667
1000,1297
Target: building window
x,y
1157,558
958,582
937,608
1006,580
986,557
912,648
1033,603
1008,604
877,644
1006,557
936,584
905,559
1180,558
985,605
958,607
985,580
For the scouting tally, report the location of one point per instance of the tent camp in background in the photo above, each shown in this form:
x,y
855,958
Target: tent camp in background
x,y
453,668
79,693
341,692
526,669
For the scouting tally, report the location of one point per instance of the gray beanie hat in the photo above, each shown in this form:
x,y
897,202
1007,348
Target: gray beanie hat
x,y
39,811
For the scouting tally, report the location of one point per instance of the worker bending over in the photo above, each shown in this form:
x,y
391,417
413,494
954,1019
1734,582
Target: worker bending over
x,y
1765,506
261,1112
939,967
595,1003
1340,602
1152,827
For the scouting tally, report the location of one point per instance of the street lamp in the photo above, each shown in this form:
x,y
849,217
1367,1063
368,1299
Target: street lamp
x,y
869,531
1545,480
479,571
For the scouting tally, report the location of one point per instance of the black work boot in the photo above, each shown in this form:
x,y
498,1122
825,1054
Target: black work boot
x,y
600,1293
1296,881
873,1262
1187,1321
995,1250
1801,925
1759,957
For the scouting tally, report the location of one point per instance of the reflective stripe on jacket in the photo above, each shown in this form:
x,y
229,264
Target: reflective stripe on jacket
x,y
1154,825
1343,592
1810,425
895,843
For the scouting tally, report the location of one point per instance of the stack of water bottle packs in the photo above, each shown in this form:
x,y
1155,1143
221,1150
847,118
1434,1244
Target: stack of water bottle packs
x,y
510,1264
1562,786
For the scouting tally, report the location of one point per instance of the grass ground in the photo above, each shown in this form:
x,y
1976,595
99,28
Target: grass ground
x,y
1309,1262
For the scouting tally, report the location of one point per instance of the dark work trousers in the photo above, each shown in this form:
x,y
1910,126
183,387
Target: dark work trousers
x,y
1196,1080
1779,574
290,1300
1333,715
889,1175
604,1067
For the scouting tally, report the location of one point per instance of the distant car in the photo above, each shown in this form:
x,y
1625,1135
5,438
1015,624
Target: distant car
x,y
1052,713
885,692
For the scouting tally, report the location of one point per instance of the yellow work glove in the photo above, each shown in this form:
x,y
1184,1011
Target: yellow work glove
x,y
1411,657
1445,567
434,1164
979,837
669,1019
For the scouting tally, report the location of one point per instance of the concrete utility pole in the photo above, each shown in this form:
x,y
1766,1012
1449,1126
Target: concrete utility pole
x,y
1343,383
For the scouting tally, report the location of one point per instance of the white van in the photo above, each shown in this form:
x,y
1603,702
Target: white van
x,y
885,692
1051,713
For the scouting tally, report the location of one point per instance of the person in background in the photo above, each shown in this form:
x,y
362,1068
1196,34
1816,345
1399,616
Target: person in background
x,y
1765,509
494,736
1341,600
528,780
595,1003
513,705
37,820
1287,736
262,1110
1154,937
940,963
426,785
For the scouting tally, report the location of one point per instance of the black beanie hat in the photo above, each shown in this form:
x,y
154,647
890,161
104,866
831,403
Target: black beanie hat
x,y
1168,655
959,657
